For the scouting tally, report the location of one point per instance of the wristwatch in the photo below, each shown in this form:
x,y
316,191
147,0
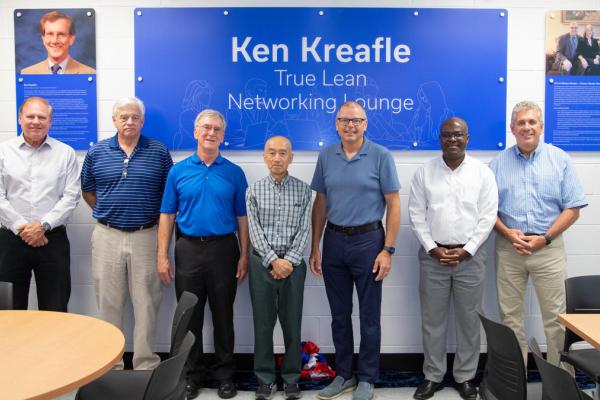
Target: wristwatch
x,y
46,226
390,249
548,239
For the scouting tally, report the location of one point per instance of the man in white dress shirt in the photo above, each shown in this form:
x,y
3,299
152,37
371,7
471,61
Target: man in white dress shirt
x,y
452,208
39,189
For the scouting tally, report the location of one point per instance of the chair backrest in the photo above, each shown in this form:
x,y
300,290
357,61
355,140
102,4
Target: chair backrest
x,y
583,297
164,382
504,376
181,320
557,383
6,296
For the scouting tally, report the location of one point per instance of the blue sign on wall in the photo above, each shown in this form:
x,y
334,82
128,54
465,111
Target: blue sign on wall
x,y
73,101
39,43
572,115
286,70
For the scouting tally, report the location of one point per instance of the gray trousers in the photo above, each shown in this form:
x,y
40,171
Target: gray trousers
x,y
464,284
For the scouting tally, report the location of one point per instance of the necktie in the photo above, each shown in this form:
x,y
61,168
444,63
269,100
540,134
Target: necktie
x,y
573,44
55,68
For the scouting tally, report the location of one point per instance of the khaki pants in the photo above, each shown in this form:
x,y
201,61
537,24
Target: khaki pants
x,y
125,262
546,267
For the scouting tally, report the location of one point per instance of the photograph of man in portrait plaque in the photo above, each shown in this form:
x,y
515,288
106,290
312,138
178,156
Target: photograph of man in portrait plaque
x,y
64,41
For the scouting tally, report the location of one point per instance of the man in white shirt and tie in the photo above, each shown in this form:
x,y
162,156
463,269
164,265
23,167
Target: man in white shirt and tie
x,y
452,207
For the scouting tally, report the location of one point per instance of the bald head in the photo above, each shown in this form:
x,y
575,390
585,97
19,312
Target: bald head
x,y
355,105
450,124
275,141
278,155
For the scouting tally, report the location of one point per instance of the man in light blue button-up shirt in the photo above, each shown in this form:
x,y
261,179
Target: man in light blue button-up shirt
x,y
539,198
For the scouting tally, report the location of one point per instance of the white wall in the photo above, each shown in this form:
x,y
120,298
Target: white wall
x,y
400,314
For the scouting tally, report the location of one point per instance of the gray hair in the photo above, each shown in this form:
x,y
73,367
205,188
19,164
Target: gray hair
x,y
525,106
129,101
208,112
38,99
350,103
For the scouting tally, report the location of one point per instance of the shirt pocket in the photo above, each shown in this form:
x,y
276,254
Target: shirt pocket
x,y
548,186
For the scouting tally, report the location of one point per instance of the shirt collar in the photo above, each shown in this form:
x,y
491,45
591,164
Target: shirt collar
x,y
465,161
114,142
197,160
283,182
47,142
534,153
63,65
364,148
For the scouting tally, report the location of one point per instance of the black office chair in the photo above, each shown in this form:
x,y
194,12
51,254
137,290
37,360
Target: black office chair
x,y
162,383
583,297
181,321
6,296
504,376
557,383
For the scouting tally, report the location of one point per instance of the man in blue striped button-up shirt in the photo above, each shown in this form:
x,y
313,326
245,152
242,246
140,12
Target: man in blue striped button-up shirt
x,y
539,198
279,218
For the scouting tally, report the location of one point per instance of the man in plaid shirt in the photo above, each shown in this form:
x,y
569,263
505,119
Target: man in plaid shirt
x,y
279,218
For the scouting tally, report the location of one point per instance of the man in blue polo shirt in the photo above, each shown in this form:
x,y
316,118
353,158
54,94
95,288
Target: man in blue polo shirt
x,y
122,180
205,194
355,181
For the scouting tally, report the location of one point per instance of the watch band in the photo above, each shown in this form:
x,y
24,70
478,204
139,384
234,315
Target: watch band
x,y
548,239
389,249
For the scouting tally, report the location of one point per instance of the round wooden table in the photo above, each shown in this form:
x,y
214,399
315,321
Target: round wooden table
x,y
45,354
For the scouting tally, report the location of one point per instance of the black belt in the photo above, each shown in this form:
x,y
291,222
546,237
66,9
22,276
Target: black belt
x,y
59,228
450,246
210,238
129,229
355,230
533,234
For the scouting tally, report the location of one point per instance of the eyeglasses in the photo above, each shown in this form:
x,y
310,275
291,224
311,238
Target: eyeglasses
x,y
208,128
124,118
355,121
125,165
456,135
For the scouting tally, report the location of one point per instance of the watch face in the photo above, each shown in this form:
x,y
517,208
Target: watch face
x,y
390,249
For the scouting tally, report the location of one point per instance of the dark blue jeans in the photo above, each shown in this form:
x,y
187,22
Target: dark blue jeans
x,y
348,262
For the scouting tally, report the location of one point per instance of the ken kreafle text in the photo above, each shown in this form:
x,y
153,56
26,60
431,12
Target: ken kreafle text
x,y
381,50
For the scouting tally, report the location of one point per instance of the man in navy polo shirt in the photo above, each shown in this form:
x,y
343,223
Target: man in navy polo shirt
x,y
205,194
355,181
122,181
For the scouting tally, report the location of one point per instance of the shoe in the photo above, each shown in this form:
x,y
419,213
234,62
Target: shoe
x,y
265,391
364,391
427,389
338,387
191,391
467,390
227,390
291,391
